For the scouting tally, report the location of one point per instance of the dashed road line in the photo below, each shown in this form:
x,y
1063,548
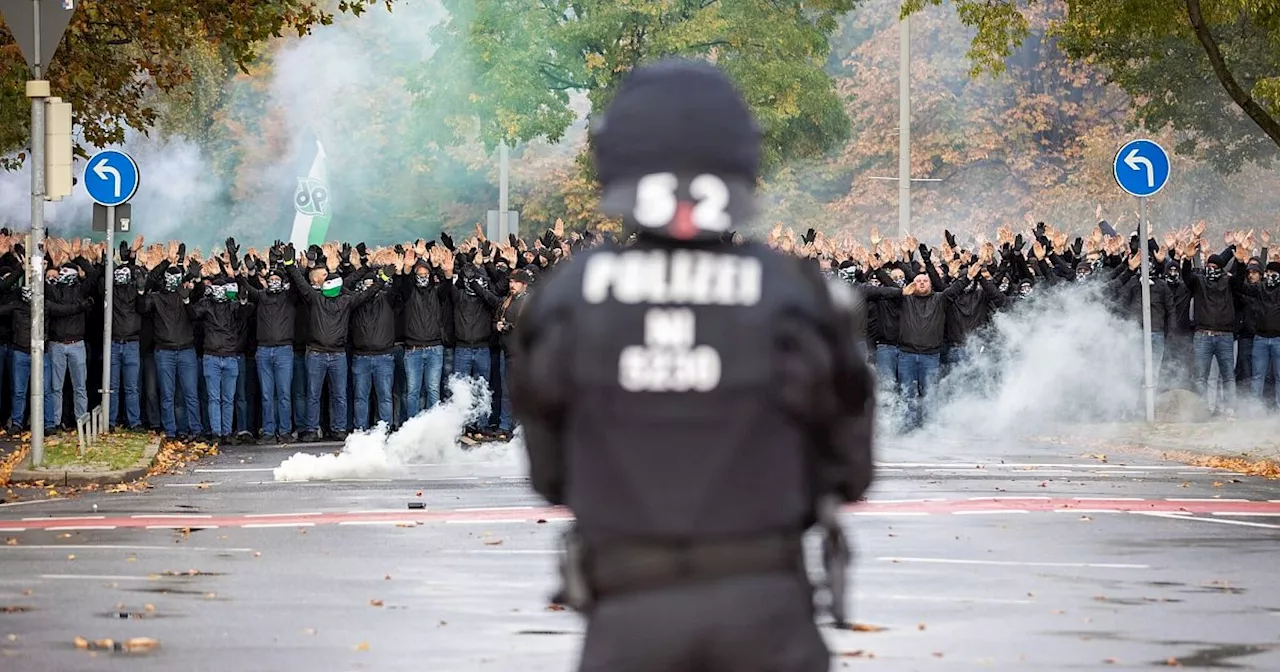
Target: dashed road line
x,y
171,515
62,528
1202,499
262,525
66,518
1013,563
495,521
994,512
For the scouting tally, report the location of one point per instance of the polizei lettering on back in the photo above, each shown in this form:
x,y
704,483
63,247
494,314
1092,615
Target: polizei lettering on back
x,y
669,360
672,277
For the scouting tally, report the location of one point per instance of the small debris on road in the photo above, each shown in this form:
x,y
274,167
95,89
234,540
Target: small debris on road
x,y
362,646
493,542
865,627
550,607
417,505
375,603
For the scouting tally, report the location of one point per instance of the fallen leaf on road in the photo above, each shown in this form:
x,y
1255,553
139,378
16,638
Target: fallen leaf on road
x,y
386,578
920,627
1217,484
362,646
81,643
853,654
149,607
257,554
406,524
375,603
202,486
210,596
1110,661
1172,662
865,627
418,494
555,607
71,557
131,559
309,631
138,644
105,644
937,654
1085,518
494,542
64,535
11,541
28,592
1185,485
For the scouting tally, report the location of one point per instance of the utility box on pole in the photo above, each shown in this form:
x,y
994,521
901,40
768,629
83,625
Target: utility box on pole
x,y
57,150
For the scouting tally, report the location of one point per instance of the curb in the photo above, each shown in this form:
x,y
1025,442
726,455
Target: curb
x,y
64,478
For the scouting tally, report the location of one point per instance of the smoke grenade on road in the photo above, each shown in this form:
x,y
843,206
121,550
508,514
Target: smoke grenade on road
x,y
431,437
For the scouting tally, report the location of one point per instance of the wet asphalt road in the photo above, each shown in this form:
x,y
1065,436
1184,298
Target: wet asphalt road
x,y
362,583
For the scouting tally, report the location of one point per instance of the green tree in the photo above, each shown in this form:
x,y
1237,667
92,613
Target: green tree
x,y
115,56
512,65
1207,68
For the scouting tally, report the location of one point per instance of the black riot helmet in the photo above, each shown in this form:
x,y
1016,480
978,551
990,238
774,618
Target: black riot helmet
x,y
678,152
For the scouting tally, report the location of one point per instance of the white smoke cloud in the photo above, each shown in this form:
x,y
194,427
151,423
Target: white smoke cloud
x,y
431,437
1065,357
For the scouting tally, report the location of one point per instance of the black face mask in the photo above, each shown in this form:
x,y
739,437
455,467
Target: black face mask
x,y
1173,278
1271,280
1213,273
901,282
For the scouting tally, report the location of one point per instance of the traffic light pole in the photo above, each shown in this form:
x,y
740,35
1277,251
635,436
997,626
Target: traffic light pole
x,y
38,92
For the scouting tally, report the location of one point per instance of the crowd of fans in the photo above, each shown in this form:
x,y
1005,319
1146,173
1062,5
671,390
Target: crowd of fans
x,y
271,345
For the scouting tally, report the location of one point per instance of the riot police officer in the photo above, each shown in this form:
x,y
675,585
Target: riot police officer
x,y
694,402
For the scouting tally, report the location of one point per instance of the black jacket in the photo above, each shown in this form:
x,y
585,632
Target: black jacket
x,y
423,310
1213,304
328,319
972,308
225,324
923,318
20,313
1161,301
373,324
170,315
275,315
126,322
1267,302
474,300
71,328
509,315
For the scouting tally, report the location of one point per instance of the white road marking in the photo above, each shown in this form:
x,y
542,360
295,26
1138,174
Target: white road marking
x,y
514,478
983,499
487,522
1246,513
357,513
1203,499
379,522
1223,521
66,518
180,527
235,470
1119,473
888,513
13,529
172,515
94,577
1014,563
80,527
279,525
1085,511
190,485
454,478
120,547
454,551
498,508
281,515
360,480
903,501
1108,499
34,501
930,598
994,512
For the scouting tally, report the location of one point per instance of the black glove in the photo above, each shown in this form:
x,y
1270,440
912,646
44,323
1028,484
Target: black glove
x,y
1018,243
951,240
289,255
182,252
232,250
313,254
924,252
20,250
184,292
346,251
124,251
447,241
485,247
515,242
809,236
399,249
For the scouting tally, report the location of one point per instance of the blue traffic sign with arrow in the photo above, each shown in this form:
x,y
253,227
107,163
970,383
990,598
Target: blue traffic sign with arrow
x,y
1141,168
111,178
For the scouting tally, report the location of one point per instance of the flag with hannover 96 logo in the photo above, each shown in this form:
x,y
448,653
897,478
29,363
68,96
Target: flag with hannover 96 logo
x,y
311,205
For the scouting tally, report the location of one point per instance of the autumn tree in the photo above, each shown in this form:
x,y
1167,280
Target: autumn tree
x,y
1209,68
513,64
115,55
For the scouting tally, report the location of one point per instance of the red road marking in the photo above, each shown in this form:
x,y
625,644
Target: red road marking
x,y
559,513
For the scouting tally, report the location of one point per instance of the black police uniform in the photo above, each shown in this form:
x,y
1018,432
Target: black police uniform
x,y
691,400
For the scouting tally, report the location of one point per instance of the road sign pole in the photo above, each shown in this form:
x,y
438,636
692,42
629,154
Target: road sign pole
x,y
108,312
1148,374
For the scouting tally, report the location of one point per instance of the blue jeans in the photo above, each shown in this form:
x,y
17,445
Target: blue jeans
x,y
917,377
399,388
299,389
1220,348
331,365
887,364
472,362
220,374
179,369
373,372
275,379
955,355
242,394
505,421
21,377
423,368
67,358
126,370
1266,360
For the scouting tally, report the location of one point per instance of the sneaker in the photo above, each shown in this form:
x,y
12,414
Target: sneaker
x,y
339,436
308,437
267,440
